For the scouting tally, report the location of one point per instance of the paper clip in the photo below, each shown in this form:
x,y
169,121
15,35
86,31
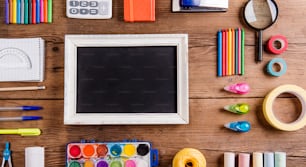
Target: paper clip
x,y
7,155
239,88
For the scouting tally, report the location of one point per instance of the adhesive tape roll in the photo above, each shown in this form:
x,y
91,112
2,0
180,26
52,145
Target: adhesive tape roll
x,y
282,64
189,157
277,44
300,93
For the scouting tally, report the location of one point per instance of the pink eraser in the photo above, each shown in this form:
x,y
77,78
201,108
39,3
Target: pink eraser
x,y
243,160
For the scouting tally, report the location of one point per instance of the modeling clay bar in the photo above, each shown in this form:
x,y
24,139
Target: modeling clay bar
x,y
111,154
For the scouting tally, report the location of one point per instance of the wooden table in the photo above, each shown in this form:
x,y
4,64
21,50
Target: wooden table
x,y
205,131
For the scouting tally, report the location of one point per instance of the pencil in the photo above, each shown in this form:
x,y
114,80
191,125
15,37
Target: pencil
x,y
229,52
26,12
46,11
219,58
236,52
22,88
223,53
226,52
42,11
18,11
14,11
49,11
33,11
239,51
242,52
233,51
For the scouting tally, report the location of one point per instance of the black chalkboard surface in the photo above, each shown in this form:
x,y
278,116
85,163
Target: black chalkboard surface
x,y
137,79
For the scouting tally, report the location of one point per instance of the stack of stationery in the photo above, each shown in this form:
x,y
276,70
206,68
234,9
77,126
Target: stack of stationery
x,y
230,60
22,59
28,11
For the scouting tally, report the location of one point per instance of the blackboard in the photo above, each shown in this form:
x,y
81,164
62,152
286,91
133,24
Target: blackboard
x,y
127,79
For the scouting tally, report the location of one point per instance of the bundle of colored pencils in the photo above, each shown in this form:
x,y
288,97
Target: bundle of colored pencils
x,y
28,11
230,60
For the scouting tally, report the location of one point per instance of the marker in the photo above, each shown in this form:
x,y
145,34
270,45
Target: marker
x,y
21,131
49,11
22,88
24,108
22,118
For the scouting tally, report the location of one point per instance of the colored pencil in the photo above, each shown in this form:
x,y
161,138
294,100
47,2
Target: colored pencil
x,y
219,58
49,11
236,52
239,51
233,51
30,15
229,52
42,11
226,52
37,11
22,12
7,12
26,12
18,11
46,11
11,10
33,11
223,53
14,11
242,52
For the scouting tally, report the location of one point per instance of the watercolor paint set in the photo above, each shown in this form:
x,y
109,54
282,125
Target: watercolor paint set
x,y
111,154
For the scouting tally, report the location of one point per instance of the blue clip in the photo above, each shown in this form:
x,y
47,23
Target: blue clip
x,y
239,126
7,155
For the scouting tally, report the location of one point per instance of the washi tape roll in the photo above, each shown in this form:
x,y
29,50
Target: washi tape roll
x,y
189,157
282,65
268,113
277,44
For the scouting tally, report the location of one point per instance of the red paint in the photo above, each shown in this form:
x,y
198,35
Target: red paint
x,y
75,151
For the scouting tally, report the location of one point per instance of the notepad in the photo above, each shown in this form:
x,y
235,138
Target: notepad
x,y
22,59
139,10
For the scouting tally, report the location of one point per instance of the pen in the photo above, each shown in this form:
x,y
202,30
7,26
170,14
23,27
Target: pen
x,y
24,108
21,131
22,118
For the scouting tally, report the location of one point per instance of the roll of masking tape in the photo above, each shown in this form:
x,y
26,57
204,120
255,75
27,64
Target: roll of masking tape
x,y
282,65
269,115
277,44
189,157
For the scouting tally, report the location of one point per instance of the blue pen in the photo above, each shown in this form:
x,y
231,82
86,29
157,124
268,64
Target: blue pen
x,y
219,58
22,118
24,108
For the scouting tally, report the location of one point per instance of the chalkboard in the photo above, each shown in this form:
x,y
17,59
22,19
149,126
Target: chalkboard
x,y
126,79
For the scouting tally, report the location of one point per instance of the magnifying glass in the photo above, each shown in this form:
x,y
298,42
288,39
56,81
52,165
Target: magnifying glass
x,y
259,15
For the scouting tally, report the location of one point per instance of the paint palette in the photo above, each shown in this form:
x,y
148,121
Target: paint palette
x,y
111,154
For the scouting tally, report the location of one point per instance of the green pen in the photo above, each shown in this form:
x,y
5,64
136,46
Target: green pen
x,y
49,11
26,12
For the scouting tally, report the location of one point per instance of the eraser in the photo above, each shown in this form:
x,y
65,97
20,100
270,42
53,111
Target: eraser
x,y
229,159
257,159
243,160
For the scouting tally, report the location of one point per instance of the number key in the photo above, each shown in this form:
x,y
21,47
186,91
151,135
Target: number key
x,y
93,3
83,3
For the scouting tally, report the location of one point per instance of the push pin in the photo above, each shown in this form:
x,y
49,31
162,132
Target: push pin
x,y
7,155
239,88
241,108
239,126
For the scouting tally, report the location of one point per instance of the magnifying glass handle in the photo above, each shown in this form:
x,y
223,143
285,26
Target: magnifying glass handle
x,y
259,56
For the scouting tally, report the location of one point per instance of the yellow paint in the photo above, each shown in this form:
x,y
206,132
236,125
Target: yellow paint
x,y
129,150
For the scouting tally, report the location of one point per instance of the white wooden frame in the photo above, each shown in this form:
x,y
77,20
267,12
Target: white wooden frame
x,y
74,41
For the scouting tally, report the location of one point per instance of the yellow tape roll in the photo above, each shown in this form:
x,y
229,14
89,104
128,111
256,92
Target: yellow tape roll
x,y
189,157
300,93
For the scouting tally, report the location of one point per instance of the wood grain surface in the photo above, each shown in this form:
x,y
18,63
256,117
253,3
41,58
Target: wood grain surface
x,y
205,131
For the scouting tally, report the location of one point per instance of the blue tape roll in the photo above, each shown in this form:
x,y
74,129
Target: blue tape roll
x,y
283,67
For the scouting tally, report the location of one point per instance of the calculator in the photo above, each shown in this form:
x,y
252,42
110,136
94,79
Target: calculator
x,y
89,9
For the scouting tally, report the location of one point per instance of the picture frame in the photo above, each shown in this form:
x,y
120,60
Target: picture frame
x,y
73,42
